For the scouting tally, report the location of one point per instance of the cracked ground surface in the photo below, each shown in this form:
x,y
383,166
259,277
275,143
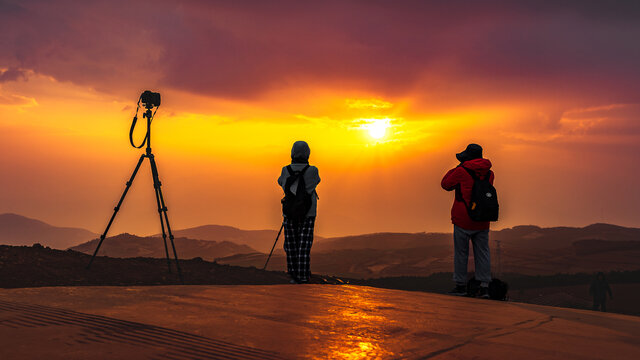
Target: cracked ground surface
x,y
297,321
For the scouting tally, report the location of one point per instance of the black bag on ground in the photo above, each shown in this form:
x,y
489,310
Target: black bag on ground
x,y
296,206
498,289
484,199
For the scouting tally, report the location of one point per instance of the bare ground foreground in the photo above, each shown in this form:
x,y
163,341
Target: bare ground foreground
x,y
297,321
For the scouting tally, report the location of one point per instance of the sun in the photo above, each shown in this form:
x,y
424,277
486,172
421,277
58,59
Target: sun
x,y
377,127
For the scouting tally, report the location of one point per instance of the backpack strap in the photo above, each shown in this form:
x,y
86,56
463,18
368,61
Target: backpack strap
x,y
294,176
291,172
459,197
459,191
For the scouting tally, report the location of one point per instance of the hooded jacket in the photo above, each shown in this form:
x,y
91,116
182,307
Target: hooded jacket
x,y
460,180
299,159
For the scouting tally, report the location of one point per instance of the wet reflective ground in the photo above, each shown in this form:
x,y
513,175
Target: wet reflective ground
x,y
297,321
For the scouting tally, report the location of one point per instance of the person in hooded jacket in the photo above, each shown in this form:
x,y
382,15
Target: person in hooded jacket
x,y
459,180
298,236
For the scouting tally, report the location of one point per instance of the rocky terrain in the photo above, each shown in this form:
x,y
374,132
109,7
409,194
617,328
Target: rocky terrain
x,y
35,266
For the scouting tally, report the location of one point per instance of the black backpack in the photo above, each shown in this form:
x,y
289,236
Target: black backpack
x,y
498,289
484,199
295,206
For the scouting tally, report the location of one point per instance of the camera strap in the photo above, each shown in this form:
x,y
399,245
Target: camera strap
x,y
133,127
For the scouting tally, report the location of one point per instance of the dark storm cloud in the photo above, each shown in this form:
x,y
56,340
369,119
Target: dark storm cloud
x,y
87,43
12,75
580,49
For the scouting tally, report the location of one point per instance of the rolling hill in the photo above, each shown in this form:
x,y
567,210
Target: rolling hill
x,y
530,236
127,245
520,237
20,230
383,241
261,240
524,249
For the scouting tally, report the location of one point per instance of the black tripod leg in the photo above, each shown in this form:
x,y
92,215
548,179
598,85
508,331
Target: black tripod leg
x,y
154,169
117,208
156,187
273,247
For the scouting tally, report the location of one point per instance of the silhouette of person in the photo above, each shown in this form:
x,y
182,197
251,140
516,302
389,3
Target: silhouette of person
x,y
599,289
465,229
298,234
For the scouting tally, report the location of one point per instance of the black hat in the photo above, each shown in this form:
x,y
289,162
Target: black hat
x,y
473,151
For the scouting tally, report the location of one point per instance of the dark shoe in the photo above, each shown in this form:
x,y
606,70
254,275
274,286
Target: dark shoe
x,y
303,281
459,290
293,279
483,293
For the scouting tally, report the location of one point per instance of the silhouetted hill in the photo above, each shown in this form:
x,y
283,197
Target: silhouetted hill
x,y
557,237
127,245
20,230
261,240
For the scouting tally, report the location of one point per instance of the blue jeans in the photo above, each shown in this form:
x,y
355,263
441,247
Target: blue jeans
x,y
481,254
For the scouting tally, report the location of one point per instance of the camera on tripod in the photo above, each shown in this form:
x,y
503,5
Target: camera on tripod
x,y
150,99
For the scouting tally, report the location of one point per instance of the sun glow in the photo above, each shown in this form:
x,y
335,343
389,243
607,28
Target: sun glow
x,y
377,128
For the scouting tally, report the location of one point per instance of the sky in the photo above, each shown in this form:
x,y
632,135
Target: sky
x,y
384,92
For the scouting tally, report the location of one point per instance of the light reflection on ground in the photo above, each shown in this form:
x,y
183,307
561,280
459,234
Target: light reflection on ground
x,y
353,327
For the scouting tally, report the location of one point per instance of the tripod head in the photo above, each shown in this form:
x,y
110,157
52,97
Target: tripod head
x,y
149,100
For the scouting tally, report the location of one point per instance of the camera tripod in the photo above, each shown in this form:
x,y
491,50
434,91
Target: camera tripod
x,y
162,208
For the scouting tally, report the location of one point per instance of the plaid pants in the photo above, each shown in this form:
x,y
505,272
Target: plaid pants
x,y
298,238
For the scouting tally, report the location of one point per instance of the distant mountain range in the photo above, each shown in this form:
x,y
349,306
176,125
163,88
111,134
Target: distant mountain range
x,y
261,240
530,236
127,245
523,249
20,230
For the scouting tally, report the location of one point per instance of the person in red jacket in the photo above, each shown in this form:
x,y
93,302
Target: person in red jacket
x,y
459,180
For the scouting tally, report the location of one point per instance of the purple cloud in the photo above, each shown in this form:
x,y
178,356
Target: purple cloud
x,y
12,75
468,51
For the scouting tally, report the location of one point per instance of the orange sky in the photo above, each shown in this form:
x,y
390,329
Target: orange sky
x,y
551,93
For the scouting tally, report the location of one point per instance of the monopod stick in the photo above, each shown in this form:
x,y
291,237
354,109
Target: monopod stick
x,y
273,247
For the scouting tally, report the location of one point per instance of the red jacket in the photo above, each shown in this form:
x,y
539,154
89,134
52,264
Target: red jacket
x,y
458,179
